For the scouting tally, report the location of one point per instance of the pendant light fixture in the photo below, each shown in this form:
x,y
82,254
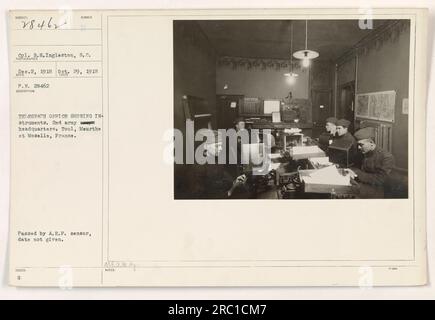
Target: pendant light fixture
x,y
306,55
291,75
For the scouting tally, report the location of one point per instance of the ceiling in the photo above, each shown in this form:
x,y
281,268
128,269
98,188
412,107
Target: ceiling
x,y
271,38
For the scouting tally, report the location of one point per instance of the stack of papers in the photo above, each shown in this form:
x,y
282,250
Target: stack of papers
x,y
274,156
328,175
318,162
276,117
306,150
269,168
292,130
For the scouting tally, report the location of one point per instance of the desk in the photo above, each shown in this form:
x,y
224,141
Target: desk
x,y
280,125
289,173
307,128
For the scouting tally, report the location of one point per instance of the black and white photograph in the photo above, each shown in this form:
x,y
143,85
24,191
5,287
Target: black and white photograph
x,y
146,147
291,109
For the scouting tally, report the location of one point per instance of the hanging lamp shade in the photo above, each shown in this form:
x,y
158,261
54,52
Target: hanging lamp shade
x,y
306,54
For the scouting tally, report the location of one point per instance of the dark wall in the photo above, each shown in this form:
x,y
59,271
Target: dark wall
x,y
194,69
386,67
346,71
267,84
322,74
195,75
345,74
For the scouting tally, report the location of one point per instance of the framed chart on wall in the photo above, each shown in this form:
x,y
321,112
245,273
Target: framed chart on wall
x,y
376,105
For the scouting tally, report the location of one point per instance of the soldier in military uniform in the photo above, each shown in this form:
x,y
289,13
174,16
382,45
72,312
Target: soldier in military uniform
x,y
212,180
327,137
345,139
376,166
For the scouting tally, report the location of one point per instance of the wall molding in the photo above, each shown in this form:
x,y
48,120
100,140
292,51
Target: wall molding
x,y
389,32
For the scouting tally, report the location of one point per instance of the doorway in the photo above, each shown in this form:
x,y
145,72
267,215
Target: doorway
x,y
322,109
228,110
346,106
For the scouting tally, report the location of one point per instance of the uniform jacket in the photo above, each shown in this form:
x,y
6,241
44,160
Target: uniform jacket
x,y
324,140
375,168
345,140
212,181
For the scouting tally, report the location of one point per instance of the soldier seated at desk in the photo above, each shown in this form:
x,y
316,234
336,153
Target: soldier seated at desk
x,y
376,166
248,136
243,136
344,138
213,180
240,124
327,137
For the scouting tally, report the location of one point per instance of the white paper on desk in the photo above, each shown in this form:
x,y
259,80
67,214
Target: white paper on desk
x,y
274,166
271,106
320,161
274,155
306,149
276,117
292,130
327,175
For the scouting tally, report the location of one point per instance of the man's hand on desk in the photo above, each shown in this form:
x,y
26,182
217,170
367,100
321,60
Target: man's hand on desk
x,y
285,154
352,174
240,180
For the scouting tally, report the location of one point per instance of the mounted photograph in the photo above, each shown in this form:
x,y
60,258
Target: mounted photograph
x,y
291,109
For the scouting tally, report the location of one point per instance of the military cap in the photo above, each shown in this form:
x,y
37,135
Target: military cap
x,y
331,120
343,123
365,133
239,119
